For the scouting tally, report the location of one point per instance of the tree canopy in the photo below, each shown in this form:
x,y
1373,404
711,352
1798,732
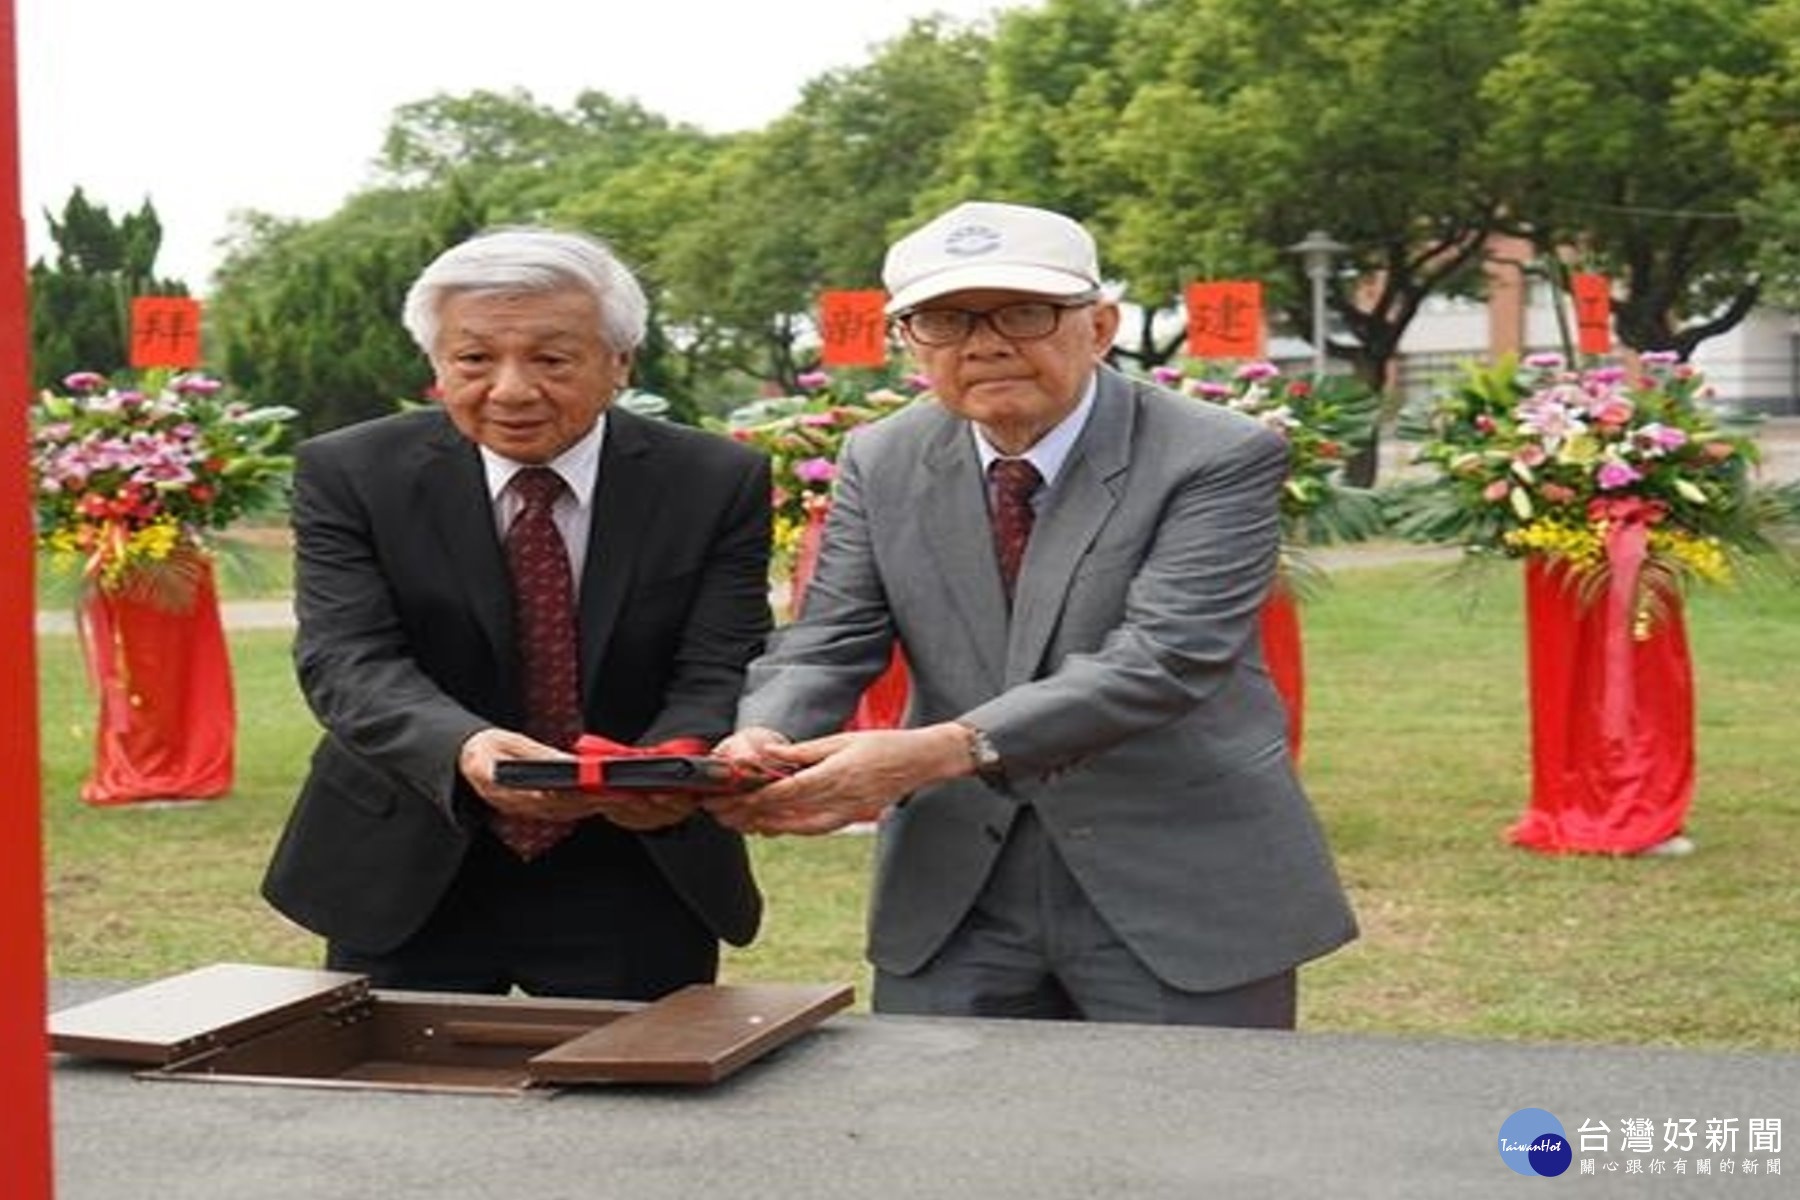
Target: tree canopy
x,y
1653,140
81,302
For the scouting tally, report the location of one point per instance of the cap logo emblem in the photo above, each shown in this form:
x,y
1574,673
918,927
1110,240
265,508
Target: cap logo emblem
x,y
966,241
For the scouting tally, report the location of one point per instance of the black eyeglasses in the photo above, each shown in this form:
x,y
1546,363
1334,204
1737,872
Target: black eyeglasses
x,y
1026,321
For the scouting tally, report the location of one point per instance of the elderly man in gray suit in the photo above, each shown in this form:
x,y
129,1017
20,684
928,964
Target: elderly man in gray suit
x,y
1092,813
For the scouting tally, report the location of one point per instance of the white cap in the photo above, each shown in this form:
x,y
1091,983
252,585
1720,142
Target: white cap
x,y
982,244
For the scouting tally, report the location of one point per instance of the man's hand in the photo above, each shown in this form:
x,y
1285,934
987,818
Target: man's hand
x,y
636,811
838,780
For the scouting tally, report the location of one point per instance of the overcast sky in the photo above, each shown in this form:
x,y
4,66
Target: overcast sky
x,y
209,106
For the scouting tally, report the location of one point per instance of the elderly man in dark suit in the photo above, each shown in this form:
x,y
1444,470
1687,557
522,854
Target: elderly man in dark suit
x,y
489,579
1093,813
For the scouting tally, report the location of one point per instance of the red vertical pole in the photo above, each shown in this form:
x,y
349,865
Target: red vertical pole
x,y
25,1172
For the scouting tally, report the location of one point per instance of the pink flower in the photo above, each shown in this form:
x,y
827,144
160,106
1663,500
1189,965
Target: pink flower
x,y
1544,362
815,470
195,385
1496,491
84,381
1167,376
1210,390
1556,493
1659,358
1255,372
1612,410
819,419
812,381
1614,474
1659,437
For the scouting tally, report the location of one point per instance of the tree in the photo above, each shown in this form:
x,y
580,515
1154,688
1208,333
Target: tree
x,y
81,305
1271,118
809,202
1765,143
1612,142
309,313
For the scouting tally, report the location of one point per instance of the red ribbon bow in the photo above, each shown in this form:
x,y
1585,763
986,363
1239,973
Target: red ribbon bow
x,y
592,751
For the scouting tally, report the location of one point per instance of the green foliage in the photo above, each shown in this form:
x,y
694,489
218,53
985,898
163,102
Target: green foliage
x,y
81,303
1612,130
775,217
309,314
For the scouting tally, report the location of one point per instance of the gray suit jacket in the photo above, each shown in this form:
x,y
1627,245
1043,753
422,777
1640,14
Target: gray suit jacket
x,y
1126,693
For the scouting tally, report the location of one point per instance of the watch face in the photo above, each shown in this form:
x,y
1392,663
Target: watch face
x,y
981,749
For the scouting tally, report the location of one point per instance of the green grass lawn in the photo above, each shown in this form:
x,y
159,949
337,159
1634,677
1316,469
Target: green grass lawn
x,y
1416,755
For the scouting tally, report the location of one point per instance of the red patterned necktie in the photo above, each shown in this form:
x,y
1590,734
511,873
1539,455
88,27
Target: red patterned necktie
x,y
1014,482
544,616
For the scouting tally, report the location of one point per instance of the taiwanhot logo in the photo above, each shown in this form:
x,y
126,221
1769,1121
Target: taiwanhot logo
x,y
1532,1142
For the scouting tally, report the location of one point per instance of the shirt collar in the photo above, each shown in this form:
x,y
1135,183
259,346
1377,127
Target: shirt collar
x,y
1050,452
579,465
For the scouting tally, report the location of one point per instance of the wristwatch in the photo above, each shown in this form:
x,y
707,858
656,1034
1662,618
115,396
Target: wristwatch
x,y
988,767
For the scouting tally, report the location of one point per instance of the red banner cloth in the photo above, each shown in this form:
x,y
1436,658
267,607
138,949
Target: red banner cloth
x,y
168,718
1612,720
883,704
1282,655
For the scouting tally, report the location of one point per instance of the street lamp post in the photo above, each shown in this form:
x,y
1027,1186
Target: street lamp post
x,y
1317,251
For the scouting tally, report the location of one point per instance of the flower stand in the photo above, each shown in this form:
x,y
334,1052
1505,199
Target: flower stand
x,y
1282,655
167,717
1612,718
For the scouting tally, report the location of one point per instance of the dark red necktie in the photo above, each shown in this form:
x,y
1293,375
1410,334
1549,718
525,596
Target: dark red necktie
x,y
545,626
1014,482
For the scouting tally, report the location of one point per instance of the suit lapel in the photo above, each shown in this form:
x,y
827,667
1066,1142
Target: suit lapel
x,y
1086,492
625,495
953,514
451,490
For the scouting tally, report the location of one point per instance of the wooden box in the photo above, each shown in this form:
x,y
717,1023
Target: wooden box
x,y
281,1025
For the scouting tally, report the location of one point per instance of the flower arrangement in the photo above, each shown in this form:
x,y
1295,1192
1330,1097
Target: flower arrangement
x,y
1591,468
130,479
1323,420
802,435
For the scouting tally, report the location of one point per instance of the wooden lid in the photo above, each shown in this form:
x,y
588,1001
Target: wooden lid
x,y
178,1017
699,1034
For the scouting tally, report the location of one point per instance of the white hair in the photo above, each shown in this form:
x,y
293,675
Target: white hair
x,y
526,259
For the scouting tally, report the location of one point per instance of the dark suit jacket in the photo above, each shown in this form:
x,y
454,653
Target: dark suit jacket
x,y
1125,690
405,648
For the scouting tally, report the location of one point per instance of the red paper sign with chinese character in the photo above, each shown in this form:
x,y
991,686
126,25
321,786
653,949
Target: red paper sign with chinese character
x,y
1593,313
165,331
854,328
1225,320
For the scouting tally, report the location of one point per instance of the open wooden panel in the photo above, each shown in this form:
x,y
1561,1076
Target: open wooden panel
x,y
700,1034
187,1014
409,1042
301,1028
